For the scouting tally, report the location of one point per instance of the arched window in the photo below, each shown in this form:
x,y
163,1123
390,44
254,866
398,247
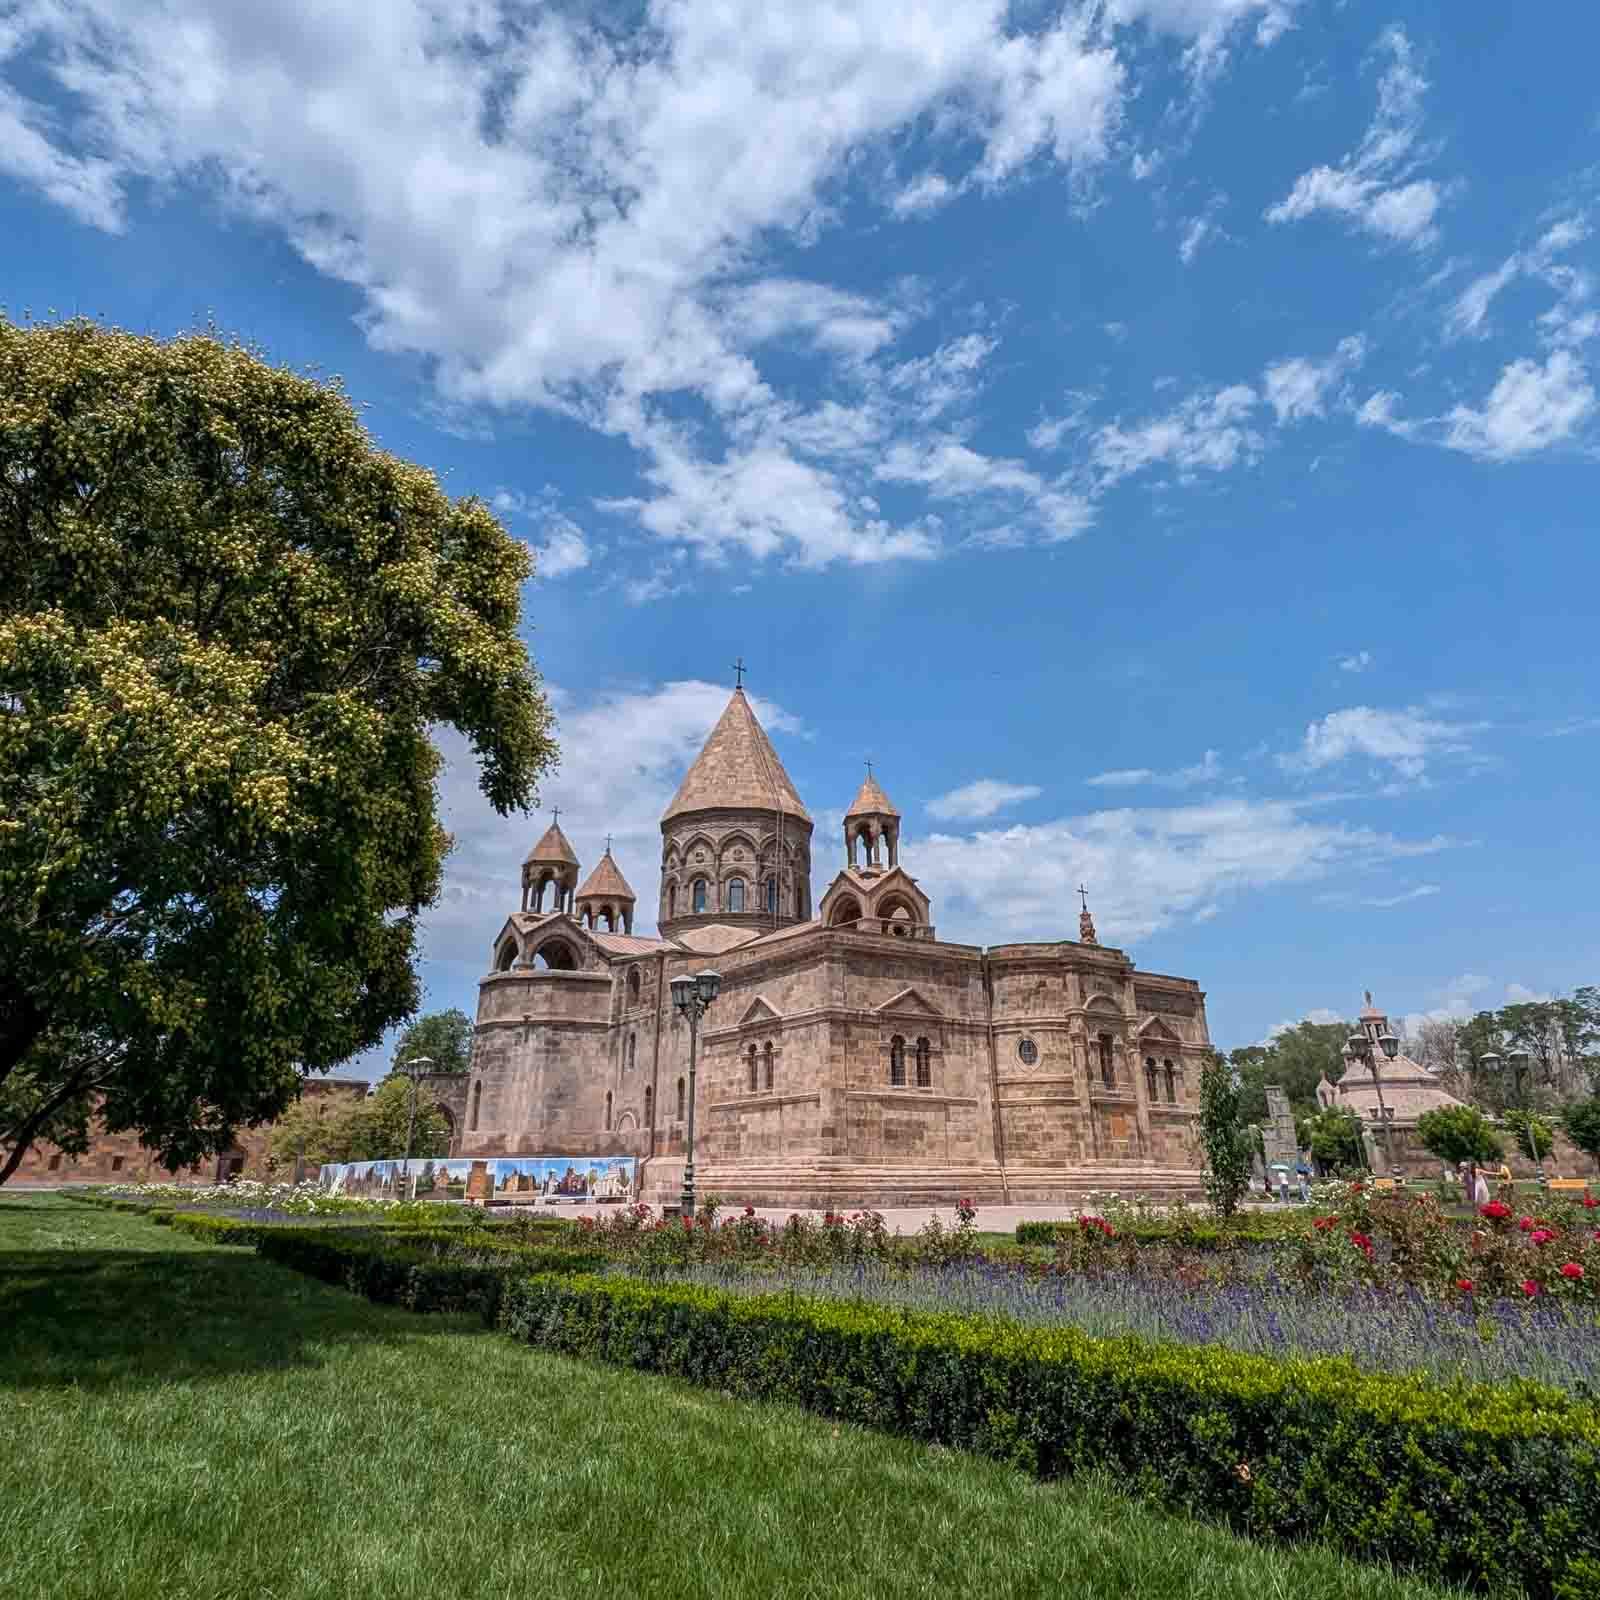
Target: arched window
x,y
556,956
766,1056
680,1100
924,1064
846,910
772,896
672,899
477,1101
633,1053
699,894
1108,1066
633,984
1172,1083
508,954
1150,1076
750,1057
608,1111
649,1106
736,895
897,1062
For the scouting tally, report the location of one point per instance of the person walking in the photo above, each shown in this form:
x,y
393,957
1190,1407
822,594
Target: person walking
x,y
1302,1172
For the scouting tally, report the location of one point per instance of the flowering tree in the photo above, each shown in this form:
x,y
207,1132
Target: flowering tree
x,y
227,626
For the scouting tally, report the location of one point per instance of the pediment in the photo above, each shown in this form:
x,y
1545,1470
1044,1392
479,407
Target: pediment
x,y
911,1001
759,1011
1155,1028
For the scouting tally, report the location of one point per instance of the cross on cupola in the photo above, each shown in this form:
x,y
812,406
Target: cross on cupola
x,y
1086,933
739,670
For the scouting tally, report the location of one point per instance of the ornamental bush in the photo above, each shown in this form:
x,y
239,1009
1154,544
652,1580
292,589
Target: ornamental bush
x,y
422,1275
1497,1487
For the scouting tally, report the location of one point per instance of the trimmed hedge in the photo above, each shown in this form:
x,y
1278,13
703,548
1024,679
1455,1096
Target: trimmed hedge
x,y
219,1230
1194,1236
424,1276
1497,1487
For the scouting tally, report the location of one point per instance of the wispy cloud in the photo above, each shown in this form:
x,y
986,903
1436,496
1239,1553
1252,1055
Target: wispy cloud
x,y
1374,187
1402,740
1206,770
983,798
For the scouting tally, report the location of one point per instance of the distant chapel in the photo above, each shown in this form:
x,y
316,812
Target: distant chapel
x,y
853,1058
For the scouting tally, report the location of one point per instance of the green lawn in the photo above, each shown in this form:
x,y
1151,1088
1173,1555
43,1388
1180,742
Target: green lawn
x,y
182,1420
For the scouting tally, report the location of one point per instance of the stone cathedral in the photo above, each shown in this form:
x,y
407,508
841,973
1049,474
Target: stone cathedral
x,y
853,1057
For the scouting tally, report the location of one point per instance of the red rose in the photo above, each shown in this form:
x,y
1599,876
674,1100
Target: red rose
x,y
1464,1285
1541,1236
1495,1208
749,1211
1527,1224
1572,1270
1529,1287
1589,1201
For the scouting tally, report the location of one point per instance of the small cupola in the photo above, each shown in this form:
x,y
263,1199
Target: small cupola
x,y
551,864
605,902
872,826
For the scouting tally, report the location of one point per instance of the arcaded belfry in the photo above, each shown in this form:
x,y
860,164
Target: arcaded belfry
x,y
853,1058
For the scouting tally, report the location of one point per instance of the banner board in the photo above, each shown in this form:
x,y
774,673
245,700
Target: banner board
x,y
535,1180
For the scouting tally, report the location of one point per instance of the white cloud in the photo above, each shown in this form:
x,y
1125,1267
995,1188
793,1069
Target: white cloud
x,y
564,551
1194,234
982,798
1380,902
1209,431
948,378
847,324
1530,408
1146,868
1359,662
923,195
1048,432
1404,740
949,470
1206,770
1298,388
1373,187
1565,323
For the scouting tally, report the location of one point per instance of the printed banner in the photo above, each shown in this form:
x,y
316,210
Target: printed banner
x,y
536,1180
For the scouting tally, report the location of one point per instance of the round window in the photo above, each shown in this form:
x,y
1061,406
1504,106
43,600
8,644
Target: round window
x,y
1027,1052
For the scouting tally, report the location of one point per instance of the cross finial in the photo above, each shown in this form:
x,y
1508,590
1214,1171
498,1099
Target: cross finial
x,y
555,815
1085,894
738,673
869,766
608,844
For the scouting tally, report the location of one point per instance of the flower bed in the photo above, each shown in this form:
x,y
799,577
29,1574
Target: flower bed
x,y
1497,1486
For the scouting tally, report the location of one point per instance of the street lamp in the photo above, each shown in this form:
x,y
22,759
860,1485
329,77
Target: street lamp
x,y
1360,1046
411,1074
1521,1062
693,996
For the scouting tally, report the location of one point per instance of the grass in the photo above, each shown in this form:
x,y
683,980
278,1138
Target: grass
x,y
187,1421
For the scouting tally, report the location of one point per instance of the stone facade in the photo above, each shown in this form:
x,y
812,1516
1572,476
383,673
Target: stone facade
x,y
852,1057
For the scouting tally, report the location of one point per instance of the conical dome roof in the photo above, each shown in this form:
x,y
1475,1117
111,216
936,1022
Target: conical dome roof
x,y
555,847
605,882
737,770
870,800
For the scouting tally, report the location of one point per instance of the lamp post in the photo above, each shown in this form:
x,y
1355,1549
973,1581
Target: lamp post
x,y
409,1069
692,996
1521,1062
1360,1046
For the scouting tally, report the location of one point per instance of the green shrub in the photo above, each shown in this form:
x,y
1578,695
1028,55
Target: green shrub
x,y
219,1230
1195,1235
427,1275
1494,1487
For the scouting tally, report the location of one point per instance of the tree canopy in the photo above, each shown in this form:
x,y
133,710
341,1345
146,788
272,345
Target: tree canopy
x,y
1333,1136
1583,1128
444,1037
367,1128
1294,1059
1457,1134
1225,1140
227,625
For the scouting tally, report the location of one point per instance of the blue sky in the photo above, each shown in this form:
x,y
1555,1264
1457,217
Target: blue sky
x,y
1161,434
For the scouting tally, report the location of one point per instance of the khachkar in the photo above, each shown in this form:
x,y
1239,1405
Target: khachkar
x,y
852,1057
